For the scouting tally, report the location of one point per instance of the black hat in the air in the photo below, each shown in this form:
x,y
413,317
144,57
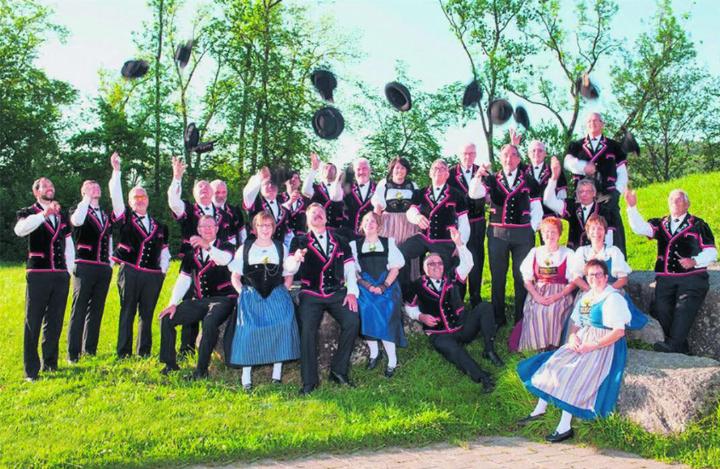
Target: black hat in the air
x,y
472,95
182,54
324,82
328,123
586,88
500,111
192,140
134,69
398,95
521,116
629,144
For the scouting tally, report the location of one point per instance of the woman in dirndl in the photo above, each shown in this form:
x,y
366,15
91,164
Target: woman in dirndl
x,y
392,198
265,328
546,275
583,376
378,262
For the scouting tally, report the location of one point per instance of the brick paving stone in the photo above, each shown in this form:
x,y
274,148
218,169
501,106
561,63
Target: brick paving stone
x,y
486,452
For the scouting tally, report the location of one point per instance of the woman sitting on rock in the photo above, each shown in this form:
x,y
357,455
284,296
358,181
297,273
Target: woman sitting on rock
x,y
583,376
546,275
378,261
265,329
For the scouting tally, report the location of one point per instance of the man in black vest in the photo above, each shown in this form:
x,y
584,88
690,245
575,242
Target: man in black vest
x,y
296,203
603,160
686,246
143,255
49,263
460,176
438,304
325,265
327,193
515,215
357,200
436,209
92,231
234,222
539,168
188,215
203,273
261,195
577,211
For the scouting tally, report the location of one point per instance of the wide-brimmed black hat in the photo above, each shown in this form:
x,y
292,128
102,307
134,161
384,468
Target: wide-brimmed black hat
x,y
328,123
472,95
134,69
182,53
192,136
324,82
521,116
586,88
500,111
398,95
629,144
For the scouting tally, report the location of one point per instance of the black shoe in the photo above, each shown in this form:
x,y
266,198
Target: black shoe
x,y
48,368
493,357
72,360
168,369
529,418
663,347
487,385
341,379
276,381
373,362
198,375
556,437
307,389
389,372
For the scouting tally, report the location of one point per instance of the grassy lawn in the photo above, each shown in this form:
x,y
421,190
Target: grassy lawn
x,y
105,412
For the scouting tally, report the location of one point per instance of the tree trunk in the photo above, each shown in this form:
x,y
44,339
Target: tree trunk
x,y
156,186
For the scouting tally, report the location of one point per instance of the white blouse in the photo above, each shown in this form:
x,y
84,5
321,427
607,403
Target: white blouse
x,y
257,255
615,311
395,257
545,258
619,268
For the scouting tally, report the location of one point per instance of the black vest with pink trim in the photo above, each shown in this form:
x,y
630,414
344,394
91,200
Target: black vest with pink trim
x,y
189,222
442,213
334,211
690,238
510,206
232,223
281,222
446,304
576,221
607,157
92,238
322,274
542,181
208,278
356,207
46,245
297,221
476,207
136,247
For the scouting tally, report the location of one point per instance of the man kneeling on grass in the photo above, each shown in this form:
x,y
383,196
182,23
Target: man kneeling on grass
x,y
437,303
213,296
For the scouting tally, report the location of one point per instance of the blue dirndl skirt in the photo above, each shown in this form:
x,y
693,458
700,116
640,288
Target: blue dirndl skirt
x,y
266,330
381,315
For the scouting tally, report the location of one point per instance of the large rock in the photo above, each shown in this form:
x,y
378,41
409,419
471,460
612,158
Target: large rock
x,y
704,338
664,392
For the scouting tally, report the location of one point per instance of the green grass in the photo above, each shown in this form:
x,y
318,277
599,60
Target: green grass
x,y
105,412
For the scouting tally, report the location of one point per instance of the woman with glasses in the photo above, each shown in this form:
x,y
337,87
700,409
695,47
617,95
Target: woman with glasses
x,y
265,328
583,376
378,262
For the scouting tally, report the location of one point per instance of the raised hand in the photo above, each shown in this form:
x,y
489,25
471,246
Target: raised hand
x,y
178,167
52,209
300,255
515,137
555,168
630,198
115,161
264,173
590,169
314,161
455,236
197,242
483,170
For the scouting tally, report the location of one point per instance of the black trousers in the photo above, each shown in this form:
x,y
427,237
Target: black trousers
x,y
502,242
90,287
212,312
476,246
139,291
452,346
676,304
415,247
310,313
619,234
45,300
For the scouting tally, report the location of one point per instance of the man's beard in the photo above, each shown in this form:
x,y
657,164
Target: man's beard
x,y
45,198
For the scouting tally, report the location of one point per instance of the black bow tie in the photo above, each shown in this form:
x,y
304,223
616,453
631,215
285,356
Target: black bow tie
x,y
537,167
321,236
361,186
677,220
468,171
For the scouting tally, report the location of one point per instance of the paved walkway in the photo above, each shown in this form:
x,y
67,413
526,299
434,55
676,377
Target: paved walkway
x,y
486,452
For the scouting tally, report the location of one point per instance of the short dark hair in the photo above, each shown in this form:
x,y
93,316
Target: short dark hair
x,y
398,160
596,263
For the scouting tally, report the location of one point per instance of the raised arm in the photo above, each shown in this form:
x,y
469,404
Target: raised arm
x,y
175,190
115,187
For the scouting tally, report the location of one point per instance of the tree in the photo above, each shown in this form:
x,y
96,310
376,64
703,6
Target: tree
x,y
30,113
490,29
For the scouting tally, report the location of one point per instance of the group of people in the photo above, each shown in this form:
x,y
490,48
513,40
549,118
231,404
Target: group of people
x,y
365,252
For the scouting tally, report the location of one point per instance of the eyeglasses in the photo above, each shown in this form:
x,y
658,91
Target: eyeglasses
x,y
434,264
595,274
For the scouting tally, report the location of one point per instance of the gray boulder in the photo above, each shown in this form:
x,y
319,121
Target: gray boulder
x,y
664,392
704,338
